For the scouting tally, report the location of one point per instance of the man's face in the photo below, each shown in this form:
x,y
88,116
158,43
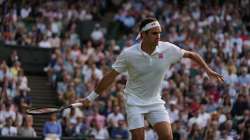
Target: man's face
x,y
152,36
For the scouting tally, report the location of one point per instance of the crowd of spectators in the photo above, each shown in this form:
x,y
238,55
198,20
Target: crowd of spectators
x,y
199,108
14,99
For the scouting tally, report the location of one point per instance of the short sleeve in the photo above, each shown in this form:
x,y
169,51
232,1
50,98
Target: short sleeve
x,y
177,53
120,64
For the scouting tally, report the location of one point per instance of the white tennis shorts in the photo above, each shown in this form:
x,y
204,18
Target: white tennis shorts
x,y
153,114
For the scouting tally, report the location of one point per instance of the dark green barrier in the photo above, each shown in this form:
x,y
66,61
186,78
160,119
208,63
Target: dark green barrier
x,y
41,138
36,138
33,59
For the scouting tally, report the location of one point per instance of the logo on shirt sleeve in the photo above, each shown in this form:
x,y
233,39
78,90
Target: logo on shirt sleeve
x,y
160,56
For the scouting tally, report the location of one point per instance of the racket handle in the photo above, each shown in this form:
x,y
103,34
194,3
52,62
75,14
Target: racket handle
x,y
76,104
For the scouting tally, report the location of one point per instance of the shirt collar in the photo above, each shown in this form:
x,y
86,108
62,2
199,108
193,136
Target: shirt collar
x,y
156,51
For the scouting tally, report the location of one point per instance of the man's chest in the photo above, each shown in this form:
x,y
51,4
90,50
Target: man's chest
x,y
143,64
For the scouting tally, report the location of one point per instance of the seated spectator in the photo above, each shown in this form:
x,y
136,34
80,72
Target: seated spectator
x,y
97,35
22,81
99,132
2,115
96,116
10,111
52,128
121,131
246,133
27,129
65,124
15,69
195,133
239,106
12,58
150,134
81,127
9,129
115,116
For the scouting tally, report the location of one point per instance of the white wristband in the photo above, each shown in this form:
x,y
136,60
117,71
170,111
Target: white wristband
x,y
92,96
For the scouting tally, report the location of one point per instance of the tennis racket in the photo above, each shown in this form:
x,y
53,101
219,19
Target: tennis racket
x,y
49,110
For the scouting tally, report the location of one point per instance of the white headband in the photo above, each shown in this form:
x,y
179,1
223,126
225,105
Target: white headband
x,y
148,27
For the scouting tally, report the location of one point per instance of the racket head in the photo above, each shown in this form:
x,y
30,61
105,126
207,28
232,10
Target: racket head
x,y
42,110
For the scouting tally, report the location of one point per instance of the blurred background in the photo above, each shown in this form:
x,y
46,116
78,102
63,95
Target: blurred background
x,y
53,52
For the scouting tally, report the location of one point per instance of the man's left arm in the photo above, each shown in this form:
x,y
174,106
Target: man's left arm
x,y
198,59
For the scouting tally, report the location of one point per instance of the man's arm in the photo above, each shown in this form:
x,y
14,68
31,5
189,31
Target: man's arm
x,y
106,81
198,59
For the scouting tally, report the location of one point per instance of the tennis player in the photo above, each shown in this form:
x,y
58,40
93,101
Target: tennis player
x,y
146,63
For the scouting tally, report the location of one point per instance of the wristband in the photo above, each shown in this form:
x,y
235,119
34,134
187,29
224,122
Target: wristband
x,y
92,96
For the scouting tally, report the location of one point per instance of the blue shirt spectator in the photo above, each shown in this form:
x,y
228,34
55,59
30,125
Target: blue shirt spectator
x,y
120,131
52,127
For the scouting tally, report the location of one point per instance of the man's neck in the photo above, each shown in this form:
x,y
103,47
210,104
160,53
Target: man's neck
x,y
149,49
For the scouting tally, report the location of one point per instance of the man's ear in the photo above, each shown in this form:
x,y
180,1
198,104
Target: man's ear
x,y
143,34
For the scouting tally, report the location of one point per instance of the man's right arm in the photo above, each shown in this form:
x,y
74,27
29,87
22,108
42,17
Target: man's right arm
x,y
106,81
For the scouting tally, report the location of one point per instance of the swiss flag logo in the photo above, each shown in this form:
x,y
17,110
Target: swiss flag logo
x,y
160,55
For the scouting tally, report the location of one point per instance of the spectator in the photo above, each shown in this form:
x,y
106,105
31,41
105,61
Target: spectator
x,y
9,129
15,69
97,117
27,129
81,128
98,131
97,35
239,106
115,116
13,58
120,132
10,113
22,81
150,134
52,128
195,133
246,133
2,115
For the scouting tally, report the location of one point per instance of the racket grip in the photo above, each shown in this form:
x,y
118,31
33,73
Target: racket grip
x,y
76,104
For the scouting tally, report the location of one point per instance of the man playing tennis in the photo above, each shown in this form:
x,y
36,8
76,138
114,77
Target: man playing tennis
x,y
146,63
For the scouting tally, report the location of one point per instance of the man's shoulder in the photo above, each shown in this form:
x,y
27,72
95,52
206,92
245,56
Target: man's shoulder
x,y
166,44
130,49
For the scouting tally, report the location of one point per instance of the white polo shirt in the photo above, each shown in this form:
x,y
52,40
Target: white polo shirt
x,y
146,72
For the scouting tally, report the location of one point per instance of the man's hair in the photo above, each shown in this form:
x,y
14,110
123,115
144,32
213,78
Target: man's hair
x,y
146,21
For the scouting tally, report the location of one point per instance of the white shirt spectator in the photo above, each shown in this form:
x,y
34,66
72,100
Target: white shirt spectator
x,y
44,44
236,42
11,114
55,42
84,15
97,34
102,134
200,120
87,72
55,27
174,115
23,83
66,112
115,117
150,134
2,118
9,131
25,11
231,79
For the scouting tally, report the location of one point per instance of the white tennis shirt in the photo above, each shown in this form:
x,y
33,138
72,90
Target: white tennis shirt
x,y
146,72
